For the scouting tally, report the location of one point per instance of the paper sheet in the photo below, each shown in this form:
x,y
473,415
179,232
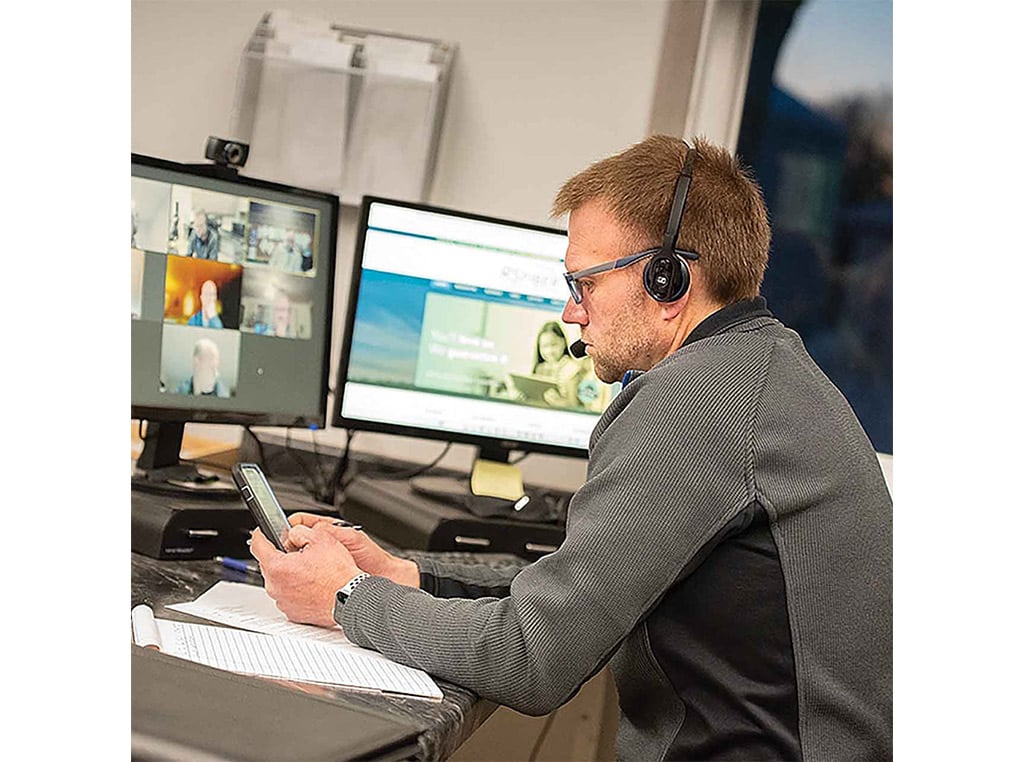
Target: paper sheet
x,y
286,658
248,607
144,630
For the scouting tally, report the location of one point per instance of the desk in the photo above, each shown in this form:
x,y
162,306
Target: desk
x,y
583,730
220,452
449,723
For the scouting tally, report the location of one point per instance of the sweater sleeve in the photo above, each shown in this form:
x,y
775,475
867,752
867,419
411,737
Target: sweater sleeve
x,y
655,495
465,580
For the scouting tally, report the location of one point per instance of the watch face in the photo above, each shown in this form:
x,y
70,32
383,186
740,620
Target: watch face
x,y
343,594
339,603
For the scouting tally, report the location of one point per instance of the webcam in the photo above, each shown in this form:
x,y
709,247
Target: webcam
x,y
227,153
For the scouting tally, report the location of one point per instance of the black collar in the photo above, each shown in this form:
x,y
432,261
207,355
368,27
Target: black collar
x,y
727,317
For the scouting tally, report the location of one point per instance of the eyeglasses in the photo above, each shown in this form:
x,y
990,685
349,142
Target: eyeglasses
x,y
572,279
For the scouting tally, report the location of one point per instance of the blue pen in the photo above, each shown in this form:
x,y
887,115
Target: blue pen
x,y
238,564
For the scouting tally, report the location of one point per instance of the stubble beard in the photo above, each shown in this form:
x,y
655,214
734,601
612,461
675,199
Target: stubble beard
x,y
629,347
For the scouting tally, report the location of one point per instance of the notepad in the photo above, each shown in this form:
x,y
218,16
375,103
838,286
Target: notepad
x,y
286,658
492,479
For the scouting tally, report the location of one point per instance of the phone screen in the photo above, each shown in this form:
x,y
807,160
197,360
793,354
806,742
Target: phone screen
x,y
272,510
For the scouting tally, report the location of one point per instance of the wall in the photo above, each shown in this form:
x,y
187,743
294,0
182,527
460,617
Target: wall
x,y
539,89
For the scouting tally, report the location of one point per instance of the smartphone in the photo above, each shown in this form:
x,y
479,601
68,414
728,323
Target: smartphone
x,y
261,501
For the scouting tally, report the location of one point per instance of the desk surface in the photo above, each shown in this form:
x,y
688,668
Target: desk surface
x,y
449,722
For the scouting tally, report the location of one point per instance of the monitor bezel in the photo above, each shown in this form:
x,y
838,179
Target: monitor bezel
x,y
179,414
492,446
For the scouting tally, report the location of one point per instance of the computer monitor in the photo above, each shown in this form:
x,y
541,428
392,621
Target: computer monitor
x,y
454,333
232,298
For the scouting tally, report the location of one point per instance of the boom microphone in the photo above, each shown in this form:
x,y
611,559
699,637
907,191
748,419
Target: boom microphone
x,y
578,349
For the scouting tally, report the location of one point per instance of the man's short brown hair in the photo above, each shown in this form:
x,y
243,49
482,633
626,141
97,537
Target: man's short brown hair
x,y
725,220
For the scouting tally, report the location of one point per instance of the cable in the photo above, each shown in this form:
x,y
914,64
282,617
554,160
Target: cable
x,y
313,488
262,460
419,470
265,460
543,734
326,491
316,454
339,470
321,488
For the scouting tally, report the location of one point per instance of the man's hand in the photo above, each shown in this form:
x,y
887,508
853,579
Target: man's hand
x,y
303,584
303,519
368,555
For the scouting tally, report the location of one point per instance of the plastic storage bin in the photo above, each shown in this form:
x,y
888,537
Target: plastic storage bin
x,y
349,111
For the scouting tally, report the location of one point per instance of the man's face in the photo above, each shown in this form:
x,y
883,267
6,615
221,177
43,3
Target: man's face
x,y
205,367
201,226
617,319
282,316
208,297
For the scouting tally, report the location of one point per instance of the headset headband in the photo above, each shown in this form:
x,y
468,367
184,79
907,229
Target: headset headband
x,y
675,216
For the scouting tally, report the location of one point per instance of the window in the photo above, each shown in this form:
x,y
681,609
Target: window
x,y
817,131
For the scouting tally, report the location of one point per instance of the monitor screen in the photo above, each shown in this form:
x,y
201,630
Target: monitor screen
x,y
232,297
454,333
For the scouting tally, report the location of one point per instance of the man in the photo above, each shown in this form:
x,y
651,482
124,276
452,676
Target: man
x,y
203,241
286,255
730,553
205,378
282,312
208,314
279,321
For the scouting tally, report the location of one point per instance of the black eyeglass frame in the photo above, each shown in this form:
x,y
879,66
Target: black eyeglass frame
x,y
667,248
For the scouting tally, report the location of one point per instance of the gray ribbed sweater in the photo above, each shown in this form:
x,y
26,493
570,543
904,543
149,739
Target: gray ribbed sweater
x,y
737,420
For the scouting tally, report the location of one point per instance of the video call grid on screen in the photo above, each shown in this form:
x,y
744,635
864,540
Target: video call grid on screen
x,y
237,322
447,326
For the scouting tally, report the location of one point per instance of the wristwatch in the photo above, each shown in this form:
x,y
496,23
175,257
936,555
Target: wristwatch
x,y
342,595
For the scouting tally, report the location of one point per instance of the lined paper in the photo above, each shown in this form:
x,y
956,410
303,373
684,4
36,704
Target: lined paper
x,y
287,658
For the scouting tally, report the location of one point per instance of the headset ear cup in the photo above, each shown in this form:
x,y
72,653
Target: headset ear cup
x,y
684,279
666,278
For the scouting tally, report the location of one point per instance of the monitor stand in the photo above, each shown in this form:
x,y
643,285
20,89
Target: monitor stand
x,y
159,468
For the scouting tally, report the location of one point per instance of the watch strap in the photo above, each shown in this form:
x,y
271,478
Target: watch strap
x,y
341,597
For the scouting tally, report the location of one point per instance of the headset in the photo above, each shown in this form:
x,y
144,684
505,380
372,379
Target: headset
x,y
667,276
